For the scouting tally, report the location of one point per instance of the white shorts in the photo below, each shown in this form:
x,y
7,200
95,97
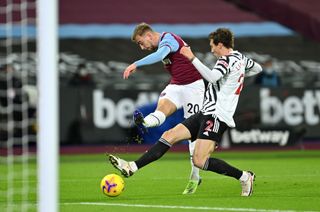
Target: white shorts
x,y
189,96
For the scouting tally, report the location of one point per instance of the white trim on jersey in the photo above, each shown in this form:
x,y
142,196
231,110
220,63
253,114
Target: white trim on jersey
x,y
254,69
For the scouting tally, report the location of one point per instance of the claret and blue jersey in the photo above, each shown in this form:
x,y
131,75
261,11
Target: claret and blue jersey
x,y
180,68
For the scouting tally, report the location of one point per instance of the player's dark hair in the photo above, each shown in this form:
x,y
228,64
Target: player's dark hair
x,y
224,36
140,30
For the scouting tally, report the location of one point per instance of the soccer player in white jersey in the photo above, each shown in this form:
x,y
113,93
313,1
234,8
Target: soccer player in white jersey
x,y
185,90
207,126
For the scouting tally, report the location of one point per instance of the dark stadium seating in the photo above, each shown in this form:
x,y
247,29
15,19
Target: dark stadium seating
x,y
302,16
165,11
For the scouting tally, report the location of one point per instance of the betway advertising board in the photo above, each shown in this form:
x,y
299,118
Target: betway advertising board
x,y
292,107
282,115
285,117
89,115
280,137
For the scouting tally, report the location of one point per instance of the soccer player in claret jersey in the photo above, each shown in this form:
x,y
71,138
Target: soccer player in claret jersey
x,y
207,126
185,90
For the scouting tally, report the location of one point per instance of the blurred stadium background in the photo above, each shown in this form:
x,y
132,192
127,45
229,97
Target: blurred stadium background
x,y
96,104
278,110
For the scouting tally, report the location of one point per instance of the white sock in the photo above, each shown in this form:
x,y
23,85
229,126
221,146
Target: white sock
x,y
154,119
133,166
244,177
194,170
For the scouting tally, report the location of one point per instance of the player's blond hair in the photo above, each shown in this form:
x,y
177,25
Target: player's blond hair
x,y
140,30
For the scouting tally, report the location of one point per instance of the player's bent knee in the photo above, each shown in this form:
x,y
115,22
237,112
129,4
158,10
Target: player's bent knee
x,y
176,134
169,136
198,161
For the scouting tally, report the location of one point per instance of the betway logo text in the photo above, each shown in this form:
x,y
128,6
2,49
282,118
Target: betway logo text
x,y
256,136
293,110
107,112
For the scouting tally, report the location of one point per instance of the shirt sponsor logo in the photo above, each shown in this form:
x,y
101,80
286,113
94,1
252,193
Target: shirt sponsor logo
x,y
166,61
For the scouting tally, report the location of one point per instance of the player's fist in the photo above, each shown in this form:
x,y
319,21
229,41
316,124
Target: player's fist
x,y
186,51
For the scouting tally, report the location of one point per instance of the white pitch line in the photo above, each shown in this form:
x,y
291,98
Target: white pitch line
x,y
181,207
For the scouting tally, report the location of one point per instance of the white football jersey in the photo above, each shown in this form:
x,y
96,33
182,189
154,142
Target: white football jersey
x,y
221,98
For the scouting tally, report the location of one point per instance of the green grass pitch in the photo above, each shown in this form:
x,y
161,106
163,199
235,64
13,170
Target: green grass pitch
x,y
286,181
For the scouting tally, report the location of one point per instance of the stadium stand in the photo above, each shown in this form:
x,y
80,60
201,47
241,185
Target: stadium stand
x,y
125,12
302,16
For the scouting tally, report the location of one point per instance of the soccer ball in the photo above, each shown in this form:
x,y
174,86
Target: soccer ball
x,y
112,185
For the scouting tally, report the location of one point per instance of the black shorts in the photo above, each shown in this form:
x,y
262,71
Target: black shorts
x,y
205,127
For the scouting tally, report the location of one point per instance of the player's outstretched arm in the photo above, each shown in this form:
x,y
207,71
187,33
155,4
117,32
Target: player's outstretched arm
x,y
208,74
157,56
129,70
253,70
187,52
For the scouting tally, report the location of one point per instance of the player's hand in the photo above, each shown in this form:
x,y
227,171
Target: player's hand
x,y
186,51
129,70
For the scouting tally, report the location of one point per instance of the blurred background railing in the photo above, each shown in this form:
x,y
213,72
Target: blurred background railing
x,y
96,103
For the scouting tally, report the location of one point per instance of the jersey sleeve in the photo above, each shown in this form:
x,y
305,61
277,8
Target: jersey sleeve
x,y
222,65
167,45
169,41
249,63
252,68
157,56
211,76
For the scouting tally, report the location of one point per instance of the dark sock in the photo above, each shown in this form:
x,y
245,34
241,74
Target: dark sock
x,y
221,167
154,153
